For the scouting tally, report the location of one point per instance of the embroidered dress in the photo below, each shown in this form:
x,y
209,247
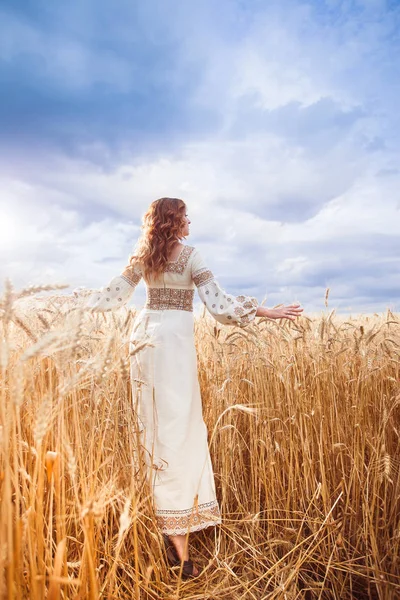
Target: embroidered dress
x,y
165,386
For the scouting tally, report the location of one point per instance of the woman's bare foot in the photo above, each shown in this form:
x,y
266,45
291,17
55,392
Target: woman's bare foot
x,y
195,570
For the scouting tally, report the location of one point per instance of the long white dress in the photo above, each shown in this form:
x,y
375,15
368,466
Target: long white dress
x,y
165,386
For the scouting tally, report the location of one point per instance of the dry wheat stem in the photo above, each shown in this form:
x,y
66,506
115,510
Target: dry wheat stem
x,y
304,438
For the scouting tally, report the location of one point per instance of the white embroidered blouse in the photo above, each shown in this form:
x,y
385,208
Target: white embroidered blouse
x,y
175,290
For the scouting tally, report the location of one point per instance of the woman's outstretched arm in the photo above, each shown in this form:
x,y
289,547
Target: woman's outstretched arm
x,y
225,308
229,309
117,293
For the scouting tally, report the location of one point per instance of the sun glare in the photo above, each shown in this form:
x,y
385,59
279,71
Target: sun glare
x,y
8,228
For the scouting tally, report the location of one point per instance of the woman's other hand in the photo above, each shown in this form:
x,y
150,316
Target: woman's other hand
x,y
281,312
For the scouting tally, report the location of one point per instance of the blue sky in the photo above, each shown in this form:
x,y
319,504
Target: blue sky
x,y
276,121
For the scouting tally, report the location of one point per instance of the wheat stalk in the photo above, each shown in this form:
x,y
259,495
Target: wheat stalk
x,y
303,435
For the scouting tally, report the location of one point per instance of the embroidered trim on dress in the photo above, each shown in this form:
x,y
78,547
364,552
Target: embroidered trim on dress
x,y
169,298
178,266
202,276
247,318
179,522
246,311
131,276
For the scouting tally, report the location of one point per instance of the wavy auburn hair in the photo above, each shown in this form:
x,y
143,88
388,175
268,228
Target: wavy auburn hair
x,y
161,226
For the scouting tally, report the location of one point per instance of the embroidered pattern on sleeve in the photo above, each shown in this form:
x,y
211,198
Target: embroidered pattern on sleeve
x,y
179,265
202,277
247,309
132,275
250,304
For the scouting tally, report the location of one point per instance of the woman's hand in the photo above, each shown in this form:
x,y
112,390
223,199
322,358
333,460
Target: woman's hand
x,y
282,312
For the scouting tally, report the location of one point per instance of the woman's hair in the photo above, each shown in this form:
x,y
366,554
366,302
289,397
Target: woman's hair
x,y
162,226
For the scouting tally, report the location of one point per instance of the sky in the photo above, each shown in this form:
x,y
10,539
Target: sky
x,y
276,121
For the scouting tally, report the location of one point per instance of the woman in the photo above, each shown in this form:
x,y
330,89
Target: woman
x,y
165,386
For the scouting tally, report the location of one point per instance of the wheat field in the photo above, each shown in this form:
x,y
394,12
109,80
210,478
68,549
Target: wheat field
x,y
304,423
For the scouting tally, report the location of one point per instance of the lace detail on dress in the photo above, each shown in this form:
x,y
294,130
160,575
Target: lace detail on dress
x,y
178,522
178,266
202,276
169,298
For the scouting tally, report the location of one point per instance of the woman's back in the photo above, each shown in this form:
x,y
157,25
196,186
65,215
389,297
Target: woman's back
x,y
174,288
176,272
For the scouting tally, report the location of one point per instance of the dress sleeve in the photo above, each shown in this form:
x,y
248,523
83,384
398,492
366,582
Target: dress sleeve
x,y
117,292
225,308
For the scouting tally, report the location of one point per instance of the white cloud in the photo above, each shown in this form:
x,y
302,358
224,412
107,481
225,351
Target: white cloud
x,y
245,249
291,190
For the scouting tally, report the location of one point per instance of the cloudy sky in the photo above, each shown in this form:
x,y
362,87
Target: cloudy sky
x,y
276,121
